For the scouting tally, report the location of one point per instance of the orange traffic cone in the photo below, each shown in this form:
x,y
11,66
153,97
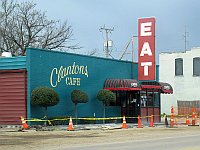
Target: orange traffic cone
x,y
172,117
124,126
187,120
175,122
151,122
193,117
24,124
139,123
70,127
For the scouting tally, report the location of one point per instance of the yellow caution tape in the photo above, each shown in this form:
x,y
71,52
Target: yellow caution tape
x,y
109,118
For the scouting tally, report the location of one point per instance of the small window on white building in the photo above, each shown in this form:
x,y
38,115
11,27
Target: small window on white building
x,y
178,66
196,66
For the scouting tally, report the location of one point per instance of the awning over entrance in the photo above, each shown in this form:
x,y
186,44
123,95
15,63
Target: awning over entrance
x,y
164,87
150,85
134,85
122,85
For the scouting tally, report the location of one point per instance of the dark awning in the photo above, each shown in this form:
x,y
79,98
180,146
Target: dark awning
x,y
134,85
122,85
164,87
150,85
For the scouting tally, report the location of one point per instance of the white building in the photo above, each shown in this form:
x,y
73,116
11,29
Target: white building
x,y
182,71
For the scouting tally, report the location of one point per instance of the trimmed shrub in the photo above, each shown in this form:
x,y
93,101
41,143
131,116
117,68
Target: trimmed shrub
x,y
44,97
106,96
78,96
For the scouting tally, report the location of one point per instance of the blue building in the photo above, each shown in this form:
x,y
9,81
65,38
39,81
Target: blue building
x,y
65,72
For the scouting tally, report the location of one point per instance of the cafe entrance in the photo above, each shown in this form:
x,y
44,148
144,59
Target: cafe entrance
x,y
130,104
127,96
136,98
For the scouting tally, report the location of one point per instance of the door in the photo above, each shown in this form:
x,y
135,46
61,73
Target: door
x,y
130,105
12,96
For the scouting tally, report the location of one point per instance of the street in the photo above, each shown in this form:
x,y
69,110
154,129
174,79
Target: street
x,y
184,142
158,138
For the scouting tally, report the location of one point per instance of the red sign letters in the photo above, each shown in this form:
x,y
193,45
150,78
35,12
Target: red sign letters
x,y
146,49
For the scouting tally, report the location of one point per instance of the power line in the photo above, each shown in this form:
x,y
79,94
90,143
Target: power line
x,y
107,43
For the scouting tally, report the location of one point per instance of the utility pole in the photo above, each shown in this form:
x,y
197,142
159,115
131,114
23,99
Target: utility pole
x,y
107,43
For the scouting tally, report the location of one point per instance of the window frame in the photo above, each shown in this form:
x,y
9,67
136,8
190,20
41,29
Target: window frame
x,y
179,72
196,72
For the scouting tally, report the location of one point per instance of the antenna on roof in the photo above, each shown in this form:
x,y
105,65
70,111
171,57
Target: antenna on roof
x,y
185,38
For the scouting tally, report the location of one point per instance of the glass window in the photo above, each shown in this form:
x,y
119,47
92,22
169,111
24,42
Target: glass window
x,y
196,68
178,66
156,100
150,100
143,98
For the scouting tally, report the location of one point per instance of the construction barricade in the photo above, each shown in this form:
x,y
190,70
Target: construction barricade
x,y
175,120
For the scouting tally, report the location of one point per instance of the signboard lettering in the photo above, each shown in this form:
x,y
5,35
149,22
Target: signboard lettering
x,y
68,74
146,49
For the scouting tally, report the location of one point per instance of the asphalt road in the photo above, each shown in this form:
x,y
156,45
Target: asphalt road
x,y
178,142
158,138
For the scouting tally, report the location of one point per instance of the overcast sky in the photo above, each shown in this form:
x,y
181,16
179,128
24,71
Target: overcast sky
x,y
173,17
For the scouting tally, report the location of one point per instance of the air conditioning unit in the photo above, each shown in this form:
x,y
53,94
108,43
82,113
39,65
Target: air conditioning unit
x,y
6,54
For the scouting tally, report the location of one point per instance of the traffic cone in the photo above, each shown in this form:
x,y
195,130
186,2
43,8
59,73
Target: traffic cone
x,y
151,122
187,120
24,124
139,123
193,117
175,122
124,126
172,117
70,127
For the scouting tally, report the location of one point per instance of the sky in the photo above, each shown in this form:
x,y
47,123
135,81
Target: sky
x,y
173,19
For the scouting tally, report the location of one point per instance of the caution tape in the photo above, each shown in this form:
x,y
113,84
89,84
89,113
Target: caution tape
x,y
96,119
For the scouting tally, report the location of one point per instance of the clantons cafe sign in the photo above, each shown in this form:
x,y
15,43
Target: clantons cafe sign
x,y
146,49
71,74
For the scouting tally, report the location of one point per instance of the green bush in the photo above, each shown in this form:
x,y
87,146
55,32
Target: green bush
x,y
44,97
78,96
106,96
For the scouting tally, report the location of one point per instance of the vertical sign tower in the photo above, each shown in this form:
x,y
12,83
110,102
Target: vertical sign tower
x,y
146,49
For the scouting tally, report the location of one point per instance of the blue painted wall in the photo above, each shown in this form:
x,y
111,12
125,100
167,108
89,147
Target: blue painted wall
x,y
40,64
10,63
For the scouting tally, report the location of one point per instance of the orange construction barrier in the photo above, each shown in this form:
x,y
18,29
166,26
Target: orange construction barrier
x,y
193,117
175,122
187,122
172,117
24,124
124,126
151,122
70,127
139,123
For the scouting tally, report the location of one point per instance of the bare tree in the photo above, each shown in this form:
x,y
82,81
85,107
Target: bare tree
x,y
22,25
93,52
